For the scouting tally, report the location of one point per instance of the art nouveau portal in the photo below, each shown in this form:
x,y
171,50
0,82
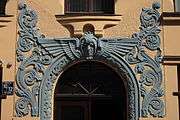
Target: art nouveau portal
x,y
43,61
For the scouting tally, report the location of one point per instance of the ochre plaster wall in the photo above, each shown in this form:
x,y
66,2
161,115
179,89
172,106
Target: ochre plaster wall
x,y
171,39
130,11
171,86
168,5
8,35
46,18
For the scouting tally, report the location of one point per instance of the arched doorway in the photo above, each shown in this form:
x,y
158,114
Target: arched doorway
x,y
47,58
90,91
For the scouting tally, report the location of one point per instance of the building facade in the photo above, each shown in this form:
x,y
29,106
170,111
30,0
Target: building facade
x,y
89,59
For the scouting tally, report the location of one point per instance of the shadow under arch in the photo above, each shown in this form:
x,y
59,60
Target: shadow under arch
x,y
88,88
61,64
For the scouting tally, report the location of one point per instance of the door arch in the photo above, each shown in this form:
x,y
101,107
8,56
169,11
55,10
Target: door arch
x,y
90,90
62,64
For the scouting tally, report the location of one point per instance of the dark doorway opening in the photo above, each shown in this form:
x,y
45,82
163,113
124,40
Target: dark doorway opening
x,y
90,91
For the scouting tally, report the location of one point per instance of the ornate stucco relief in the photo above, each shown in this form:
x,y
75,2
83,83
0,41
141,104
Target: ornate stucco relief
x,y
42,59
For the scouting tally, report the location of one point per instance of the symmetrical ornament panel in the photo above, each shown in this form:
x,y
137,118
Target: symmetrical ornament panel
x,y
42,60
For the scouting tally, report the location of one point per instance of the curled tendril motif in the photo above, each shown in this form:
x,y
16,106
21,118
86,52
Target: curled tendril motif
x,y
28,19
30,77
22,108
156,104
152,42
30,72
149,69
148,77
150,27
25,43
150,16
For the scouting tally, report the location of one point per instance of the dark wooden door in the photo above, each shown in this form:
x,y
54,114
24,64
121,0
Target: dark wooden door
x,y
71,110
90,91
86,108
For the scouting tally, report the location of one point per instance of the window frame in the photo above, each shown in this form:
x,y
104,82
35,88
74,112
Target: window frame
x,y
3,4
90,7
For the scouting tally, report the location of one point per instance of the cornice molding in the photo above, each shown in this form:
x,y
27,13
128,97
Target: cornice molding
x,y
99,22
5,20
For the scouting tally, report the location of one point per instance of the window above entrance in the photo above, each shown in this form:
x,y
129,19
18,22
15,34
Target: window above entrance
x,y
98,14
89,6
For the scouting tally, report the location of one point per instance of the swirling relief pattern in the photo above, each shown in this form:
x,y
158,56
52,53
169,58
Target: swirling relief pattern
x,y
149,68
42,60
31,69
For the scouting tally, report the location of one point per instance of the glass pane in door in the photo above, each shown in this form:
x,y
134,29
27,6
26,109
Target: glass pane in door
x,y
107,110
72,113
71,110
90,91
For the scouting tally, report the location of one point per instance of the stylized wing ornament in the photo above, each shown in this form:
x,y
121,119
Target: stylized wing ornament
x,y
118,46
62,46
87,46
